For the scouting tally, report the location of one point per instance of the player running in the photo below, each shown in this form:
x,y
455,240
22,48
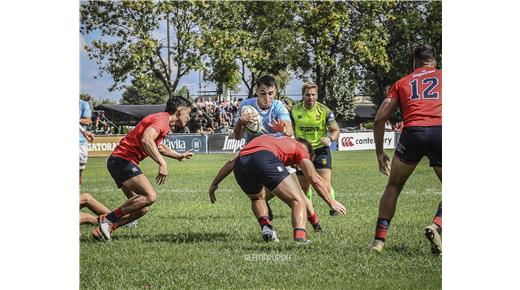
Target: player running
x,y
420,96
276,120
262,163
139,143
313,121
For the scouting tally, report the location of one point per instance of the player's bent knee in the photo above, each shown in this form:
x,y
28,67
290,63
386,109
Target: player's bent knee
x,y
296,201
152,198
85,198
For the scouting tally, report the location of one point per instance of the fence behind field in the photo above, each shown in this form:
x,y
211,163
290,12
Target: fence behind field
x,y
223,143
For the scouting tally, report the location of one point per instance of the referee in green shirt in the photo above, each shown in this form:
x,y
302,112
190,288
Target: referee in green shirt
x,y
313,121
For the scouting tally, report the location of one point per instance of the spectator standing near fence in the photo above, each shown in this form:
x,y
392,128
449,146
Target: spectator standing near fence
x,y
420,96
85,115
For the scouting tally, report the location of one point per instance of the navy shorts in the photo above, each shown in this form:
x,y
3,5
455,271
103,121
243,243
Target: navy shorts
x,y
122,169
322,159
416,142
259,169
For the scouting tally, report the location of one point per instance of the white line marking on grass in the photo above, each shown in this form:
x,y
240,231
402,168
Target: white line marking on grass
x,y
408,192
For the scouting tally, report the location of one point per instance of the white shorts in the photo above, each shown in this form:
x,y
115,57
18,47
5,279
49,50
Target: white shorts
x,y
83,155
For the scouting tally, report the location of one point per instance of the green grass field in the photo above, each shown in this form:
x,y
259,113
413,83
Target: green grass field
x,y
186,242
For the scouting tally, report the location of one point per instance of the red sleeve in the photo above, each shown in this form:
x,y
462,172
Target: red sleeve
x,y
393,93
158,125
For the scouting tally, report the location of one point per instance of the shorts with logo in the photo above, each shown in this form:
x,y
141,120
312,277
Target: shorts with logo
x,y
322,159
416,142
122,169
83,155
259,169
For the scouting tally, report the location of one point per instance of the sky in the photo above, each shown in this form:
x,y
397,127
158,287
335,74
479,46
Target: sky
x,y
98,88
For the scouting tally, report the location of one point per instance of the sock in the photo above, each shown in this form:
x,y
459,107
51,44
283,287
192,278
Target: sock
x,y
309,193
437,219
382,229
264,221
313,220
115,215
332,193
300,233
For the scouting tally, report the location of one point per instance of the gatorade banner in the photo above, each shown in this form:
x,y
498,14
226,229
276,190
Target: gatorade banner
x,y
364,141
103,145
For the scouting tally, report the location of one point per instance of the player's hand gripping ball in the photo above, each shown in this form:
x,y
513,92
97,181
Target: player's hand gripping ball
x,y
252,127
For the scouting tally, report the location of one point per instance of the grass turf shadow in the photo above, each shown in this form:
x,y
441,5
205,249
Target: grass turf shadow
x,y
183,238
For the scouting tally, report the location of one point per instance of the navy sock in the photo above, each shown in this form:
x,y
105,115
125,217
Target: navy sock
x,y
115,215
382,229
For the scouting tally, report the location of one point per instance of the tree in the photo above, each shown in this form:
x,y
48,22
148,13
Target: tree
x,y
402,26
103,101
362,46
246,40
323,28
144,91
184,91
130,48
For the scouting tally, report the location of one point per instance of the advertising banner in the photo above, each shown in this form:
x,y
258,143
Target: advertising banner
x,y
364,141
183,142
221,143
103,145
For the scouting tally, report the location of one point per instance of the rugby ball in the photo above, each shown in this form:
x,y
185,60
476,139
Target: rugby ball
x,y
252,128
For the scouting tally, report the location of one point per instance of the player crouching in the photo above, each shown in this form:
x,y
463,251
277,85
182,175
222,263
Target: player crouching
x,y
262,163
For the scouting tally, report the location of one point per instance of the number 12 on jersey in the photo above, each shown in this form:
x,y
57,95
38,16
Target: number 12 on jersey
x,y
428,92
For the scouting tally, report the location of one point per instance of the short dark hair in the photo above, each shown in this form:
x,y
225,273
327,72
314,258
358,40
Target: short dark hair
x,y
307,145
423,53
174,102
267,80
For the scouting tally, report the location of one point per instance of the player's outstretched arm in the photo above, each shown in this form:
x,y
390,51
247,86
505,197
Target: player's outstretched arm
x,y
384,113
288,128
320,185
223,173
168,152
284,127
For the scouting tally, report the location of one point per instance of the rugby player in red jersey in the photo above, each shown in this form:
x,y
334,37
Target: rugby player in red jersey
x,y
419,95
262,163
141,142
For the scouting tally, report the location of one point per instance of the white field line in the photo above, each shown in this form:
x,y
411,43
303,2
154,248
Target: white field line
x,y
429,191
